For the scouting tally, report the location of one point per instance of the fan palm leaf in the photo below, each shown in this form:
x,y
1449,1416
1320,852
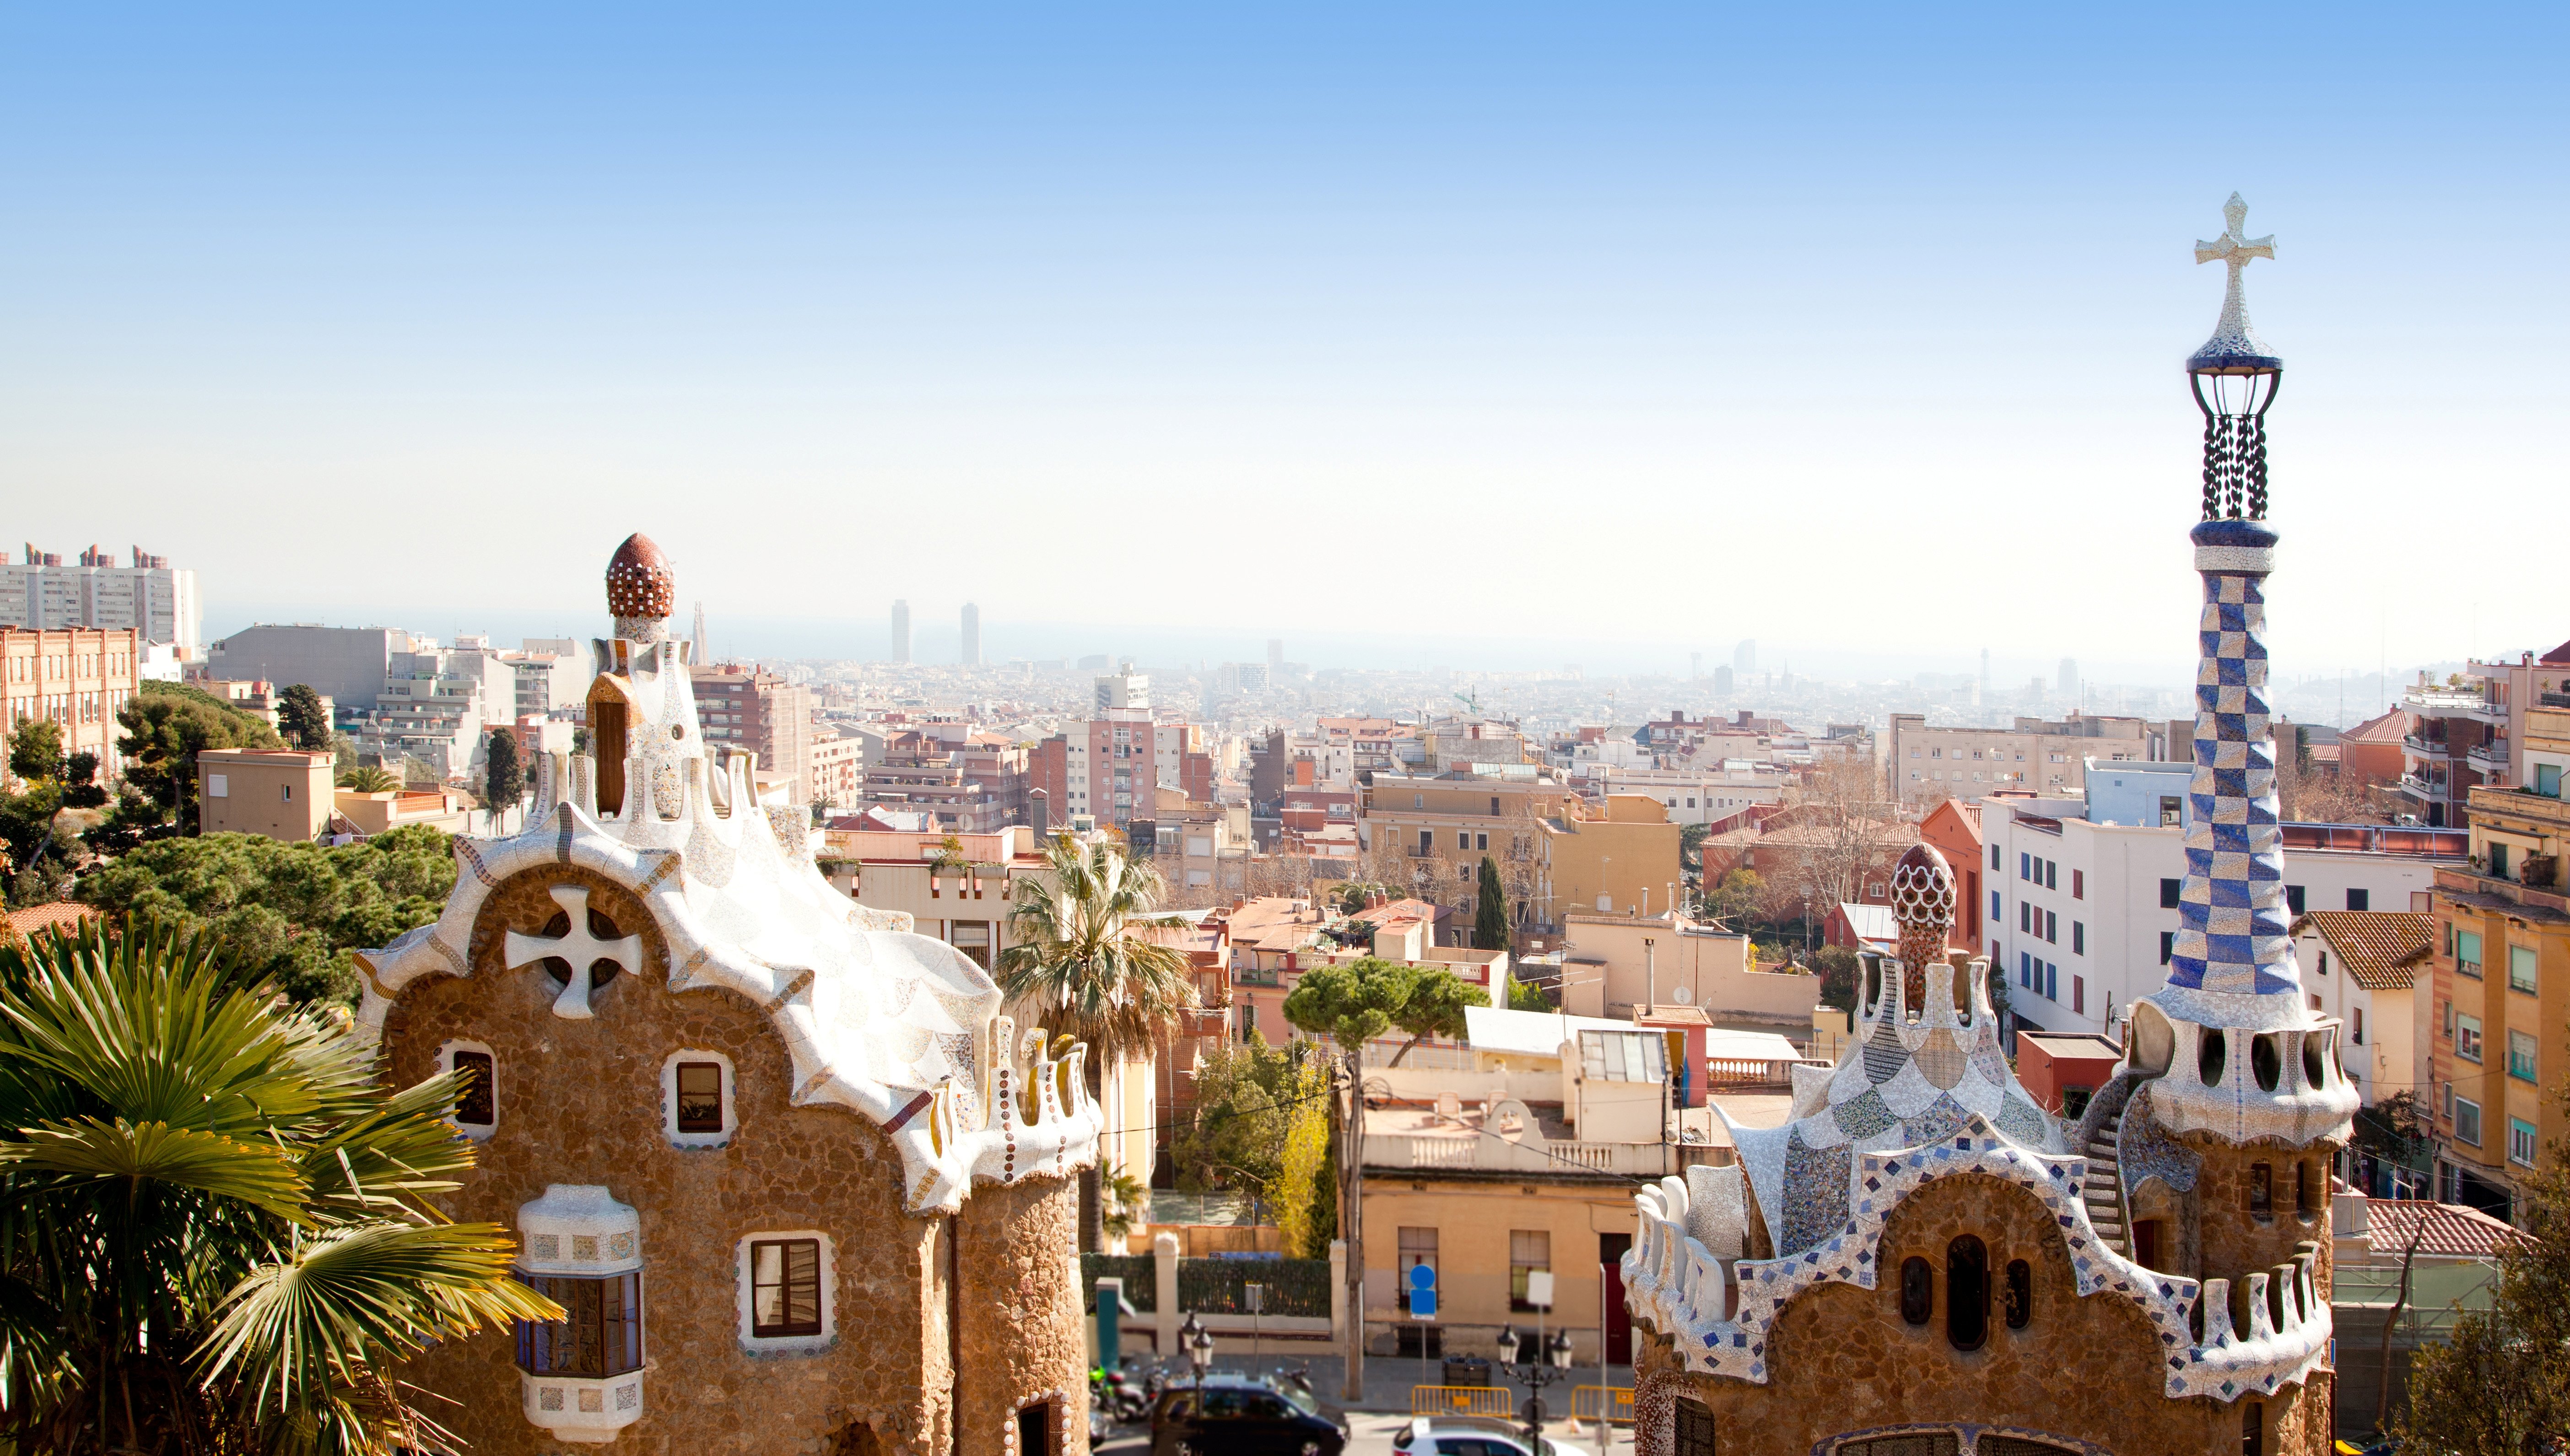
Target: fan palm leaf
x,y
1084,959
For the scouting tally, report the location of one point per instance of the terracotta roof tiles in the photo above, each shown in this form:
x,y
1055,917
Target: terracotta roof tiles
x,y
2382,950
2452,1230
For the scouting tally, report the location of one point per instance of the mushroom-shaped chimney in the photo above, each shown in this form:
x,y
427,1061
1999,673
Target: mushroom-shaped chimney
x,y
640,592
1923,903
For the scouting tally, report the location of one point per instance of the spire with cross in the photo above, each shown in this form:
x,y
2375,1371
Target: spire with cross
x,y
2235,345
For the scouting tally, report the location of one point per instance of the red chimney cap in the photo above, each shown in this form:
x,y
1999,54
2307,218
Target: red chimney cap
x,y
639,581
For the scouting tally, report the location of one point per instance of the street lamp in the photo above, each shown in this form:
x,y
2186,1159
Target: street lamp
x,y
1535,1362
1197,1341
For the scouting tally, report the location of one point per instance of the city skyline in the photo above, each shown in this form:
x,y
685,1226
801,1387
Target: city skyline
x,y
1727,285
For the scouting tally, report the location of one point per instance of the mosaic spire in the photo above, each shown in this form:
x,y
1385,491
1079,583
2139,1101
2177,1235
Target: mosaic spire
x,y
2232,963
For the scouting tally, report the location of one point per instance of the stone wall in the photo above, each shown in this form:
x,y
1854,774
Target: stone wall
x,y
579,1102
2084,1372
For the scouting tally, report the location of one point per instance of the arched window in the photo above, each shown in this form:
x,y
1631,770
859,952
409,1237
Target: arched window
x,y
1967,1292
1917,1289
2020,1294
2261,1188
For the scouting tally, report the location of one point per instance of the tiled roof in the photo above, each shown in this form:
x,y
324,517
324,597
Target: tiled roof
x,y
2452,1230
2382,950
2389,728
62,914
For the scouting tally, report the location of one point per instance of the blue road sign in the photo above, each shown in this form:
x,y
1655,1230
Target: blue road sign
x,y
1423,1291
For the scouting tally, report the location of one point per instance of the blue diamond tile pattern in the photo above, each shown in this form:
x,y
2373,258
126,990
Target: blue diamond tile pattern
x,y
2232,918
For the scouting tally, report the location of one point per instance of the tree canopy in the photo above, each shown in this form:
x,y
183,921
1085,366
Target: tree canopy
x,y
1490,910
302,720
1355,1002
165,725
503,777
215,1231
290,911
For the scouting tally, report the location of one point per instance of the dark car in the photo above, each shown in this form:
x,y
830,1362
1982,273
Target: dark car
x,y
1236,1415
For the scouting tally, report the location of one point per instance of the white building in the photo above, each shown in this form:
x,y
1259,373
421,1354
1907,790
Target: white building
x,y
2083,911
1935,762
2371,971
1693,796
158,600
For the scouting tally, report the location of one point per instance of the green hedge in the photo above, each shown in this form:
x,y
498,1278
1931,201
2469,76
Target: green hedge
x,y
1294,1286
1140,1277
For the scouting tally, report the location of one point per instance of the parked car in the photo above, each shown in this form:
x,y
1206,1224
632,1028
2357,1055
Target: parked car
x,y
1475,1435
1240,1415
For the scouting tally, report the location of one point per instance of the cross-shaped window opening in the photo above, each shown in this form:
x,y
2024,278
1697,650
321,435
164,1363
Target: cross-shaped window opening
x,y
601,971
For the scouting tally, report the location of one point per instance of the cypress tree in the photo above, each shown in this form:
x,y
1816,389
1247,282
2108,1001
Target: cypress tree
x,y
1490,911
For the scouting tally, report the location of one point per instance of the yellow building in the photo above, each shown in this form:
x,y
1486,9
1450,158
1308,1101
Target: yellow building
x,y
2502,1041
1618,859
282,793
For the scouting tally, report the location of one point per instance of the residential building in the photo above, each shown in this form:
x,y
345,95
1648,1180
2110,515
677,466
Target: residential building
x,y
363,816
2471,731
836,768
2370,972
2082,908
1694,795
2033,755
277,792
2500,1045
1463,814
921,771
1108,765
1615,965
2370,751
73,677
1622,855
771,1152
549,682
761,711
436,705
154,600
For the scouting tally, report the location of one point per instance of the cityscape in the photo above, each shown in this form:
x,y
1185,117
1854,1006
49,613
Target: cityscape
x,y
1139,958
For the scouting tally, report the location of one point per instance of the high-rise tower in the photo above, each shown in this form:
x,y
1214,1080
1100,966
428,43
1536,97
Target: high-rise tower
x,y
900,632
972,635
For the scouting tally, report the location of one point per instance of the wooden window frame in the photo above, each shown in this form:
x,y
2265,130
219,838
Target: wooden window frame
x,y
789,1329
678,1109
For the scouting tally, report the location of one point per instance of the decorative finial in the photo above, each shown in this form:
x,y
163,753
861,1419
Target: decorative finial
x,y
2234,347
1923,904
641,589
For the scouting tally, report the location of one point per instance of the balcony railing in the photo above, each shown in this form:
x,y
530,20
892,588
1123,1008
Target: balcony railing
x,y
2554,700
1492,1153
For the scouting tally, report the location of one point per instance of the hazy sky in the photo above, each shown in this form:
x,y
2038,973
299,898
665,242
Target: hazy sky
x,y
1591,333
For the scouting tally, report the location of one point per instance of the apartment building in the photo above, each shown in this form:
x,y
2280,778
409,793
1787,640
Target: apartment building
x,y
2471,731
2036,756
2081,900
76,678
1695,796
2369,971
1620,856
349,665
921,771
752,708
1106,766
2500,1043
835,769
277,792
154,600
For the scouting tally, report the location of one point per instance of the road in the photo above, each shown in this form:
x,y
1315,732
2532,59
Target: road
x,y
1373,1433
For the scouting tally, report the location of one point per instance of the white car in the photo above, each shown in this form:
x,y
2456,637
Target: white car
x,y
1476,1435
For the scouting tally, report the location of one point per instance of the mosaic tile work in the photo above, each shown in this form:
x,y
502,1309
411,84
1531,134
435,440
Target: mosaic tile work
x,y
1816,1192
718,872
2143,1151
1676,1286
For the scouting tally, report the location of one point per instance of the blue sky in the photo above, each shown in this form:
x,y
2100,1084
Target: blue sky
x,y
1594,335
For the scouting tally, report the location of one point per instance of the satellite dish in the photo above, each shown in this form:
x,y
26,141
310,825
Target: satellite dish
x,y
1681,995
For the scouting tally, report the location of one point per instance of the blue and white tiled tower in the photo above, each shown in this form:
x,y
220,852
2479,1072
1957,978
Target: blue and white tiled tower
x,y
2242,1052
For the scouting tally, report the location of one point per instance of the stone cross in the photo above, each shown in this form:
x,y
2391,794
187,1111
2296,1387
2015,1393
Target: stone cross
x,y
2231,247
578,947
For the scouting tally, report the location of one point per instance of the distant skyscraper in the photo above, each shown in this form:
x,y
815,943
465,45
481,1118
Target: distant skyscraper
x,y
151,596
1695,667
972,635
1744,658
705,649
2069,678
1722,682
901,631
1276,653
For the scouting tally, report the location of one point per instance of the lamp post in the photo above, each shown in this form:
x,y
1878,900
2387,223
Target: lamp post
x,y
1197,1341
1535,1362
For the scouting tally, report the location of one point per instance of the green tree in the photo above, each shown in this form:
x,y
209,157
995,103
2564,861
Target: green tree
x,y
1306,1212
1085,960
166,725
1840,970
371,779
2501,1385
1243,1110
503,777
1735,897
303,719
1352,1004
36,751
216,1224
291,911
1490,910
1526,995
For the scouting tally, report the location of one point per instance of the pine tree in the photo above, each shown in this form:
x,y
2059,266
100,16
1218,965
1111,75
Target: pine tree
x,y
1490,913
302,720
503,779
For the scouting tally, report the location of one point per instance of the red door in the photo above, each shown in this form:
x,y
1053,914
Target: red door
x,y
1612,1249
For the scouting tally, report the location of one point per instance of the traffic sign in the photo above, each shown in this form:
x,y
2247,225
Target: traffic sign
x,y
1423,1291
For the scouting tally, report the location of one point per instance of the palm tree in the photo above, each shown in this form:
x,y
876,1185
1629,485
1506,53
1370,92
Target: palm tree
x,y
1083,961
214,1232
371,779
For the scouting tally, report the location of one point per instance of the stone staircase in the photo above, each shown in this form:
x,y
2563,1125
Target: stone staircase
x,y
2103,1188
